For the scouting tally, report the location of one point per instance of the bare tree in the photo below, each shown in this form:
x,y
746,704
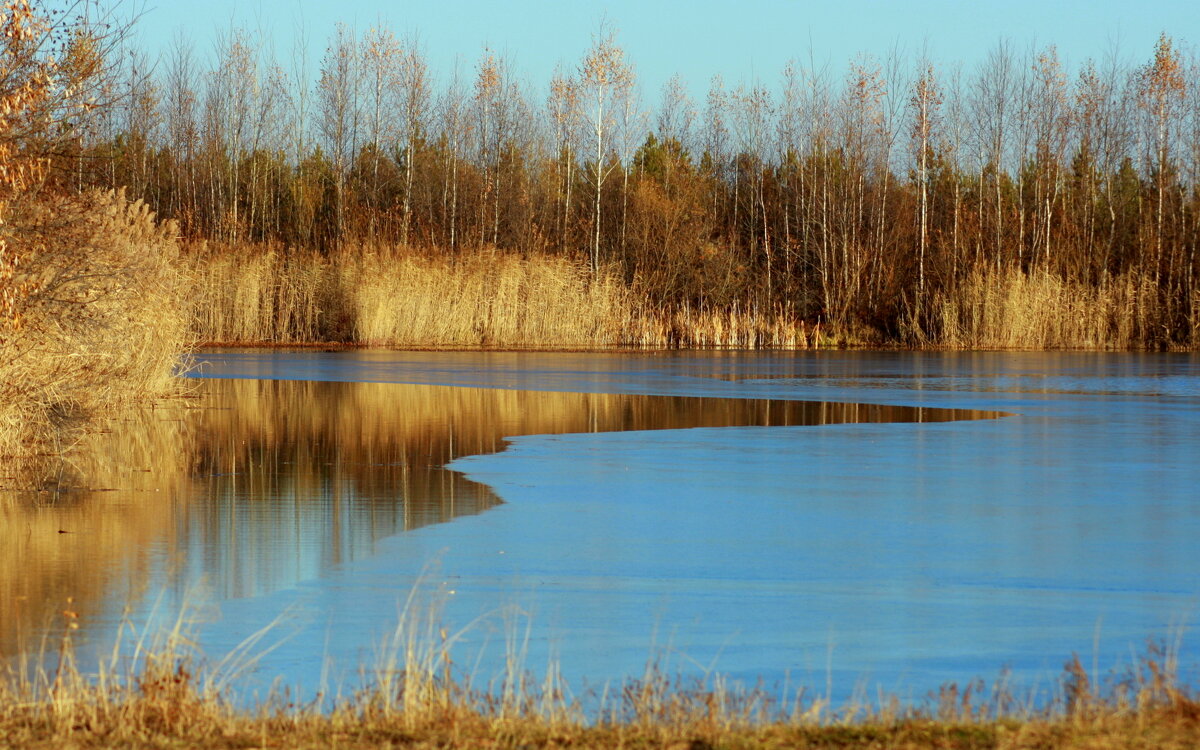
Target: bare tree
x,y
676,115
380,59
339,116
455,130
1160,96
860,118
753,122
182,129
412,97
605,80
1050,112
563,107
634,123
953,144
496,107
715,140
925,115
991,104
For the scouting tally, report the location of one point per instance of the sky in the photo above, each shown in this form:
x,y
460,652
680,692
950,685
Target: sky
x,y
743,41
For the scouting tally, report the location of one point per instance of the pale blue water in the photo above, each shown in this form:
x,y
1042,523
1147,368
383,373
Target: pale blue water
x,y
848,557
891,555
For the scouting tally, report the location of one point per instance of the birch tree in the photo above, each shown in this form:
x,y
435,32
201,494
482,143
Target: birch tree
x,y
605,80
925,115
563,107
339,115
1160,97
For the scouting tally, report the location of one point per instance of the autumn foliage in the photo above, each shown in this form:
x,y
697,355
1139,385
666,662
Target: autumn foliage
x,y
880,200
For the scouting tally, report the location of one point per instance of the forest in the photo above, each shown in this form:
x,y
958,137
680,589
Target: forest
x,y
1017,202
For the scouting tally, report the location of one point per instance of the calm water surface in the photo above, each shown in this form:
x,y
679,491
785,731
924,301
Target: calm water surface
x,y
843,520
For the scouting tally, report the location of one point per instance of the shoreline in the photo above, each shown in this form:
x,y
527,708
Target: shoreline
x,y
336,346
166,698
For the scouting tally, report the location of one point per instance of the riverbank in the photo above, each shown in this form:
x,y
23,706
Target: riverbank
x,y
414,701
388,296
1174,728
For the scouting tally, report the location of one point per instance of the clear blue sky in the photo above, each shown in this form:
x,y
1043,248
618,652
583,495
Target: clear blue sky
x,y
697,39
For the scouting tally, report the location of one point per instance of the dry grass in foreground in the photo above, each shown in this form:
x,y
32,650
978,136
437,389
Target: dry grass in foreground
x,y
158,693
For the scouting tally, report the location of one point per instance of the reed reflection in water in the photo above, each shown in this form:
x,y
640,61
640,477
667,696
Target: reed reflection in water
x,y
255,485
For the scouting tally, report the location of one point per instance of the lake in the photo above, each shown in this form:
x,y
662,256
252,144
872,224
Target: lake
x,y
852,522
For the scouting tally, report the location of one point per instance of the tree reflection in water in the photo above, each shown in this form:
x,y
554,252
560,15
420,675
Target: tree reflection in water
x,y
255,485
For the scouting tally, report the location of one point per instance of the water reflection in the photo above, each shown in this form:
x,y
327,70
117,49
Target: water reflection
x,y
255,485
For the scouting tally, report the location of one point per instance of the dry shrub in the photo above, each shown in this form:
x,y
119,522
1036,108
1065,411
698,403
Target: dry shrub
x,y
94,314
87,290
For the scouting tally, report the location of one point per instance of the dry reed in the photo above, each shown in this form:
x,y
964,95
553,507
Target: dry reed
x,y
378,296
1011,309
385,296
157,691
97,322
735,327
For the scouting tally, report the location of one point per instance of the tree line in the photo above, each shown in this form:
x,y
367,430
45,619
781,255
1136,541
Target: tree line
x,y
861,197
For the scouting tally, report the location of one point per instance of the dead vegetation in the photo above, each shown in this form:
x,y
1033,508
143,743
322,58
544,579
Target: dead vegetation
x,y
89,288
96,323
1041,310
156,690
387,296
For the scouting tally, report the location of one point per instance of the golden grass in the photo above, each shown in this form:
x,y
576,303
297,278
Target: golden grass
x,y
1011,309
387,296
384,296
265,296
97,322
486,299
379,296
735,327
156,690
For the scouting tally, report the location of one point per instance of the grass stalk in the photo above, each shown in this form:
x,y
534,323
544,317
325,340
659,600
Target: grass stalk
x,y
158,691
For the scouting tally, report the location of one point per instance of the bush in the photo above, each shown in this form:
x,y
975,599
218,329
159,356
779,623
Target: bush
x,y
91,316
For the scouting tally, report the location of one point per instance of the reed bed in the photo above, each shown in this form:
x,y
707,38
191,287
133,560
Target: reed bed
x,y
386,296
94,317
736,327
156,690
1011,309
